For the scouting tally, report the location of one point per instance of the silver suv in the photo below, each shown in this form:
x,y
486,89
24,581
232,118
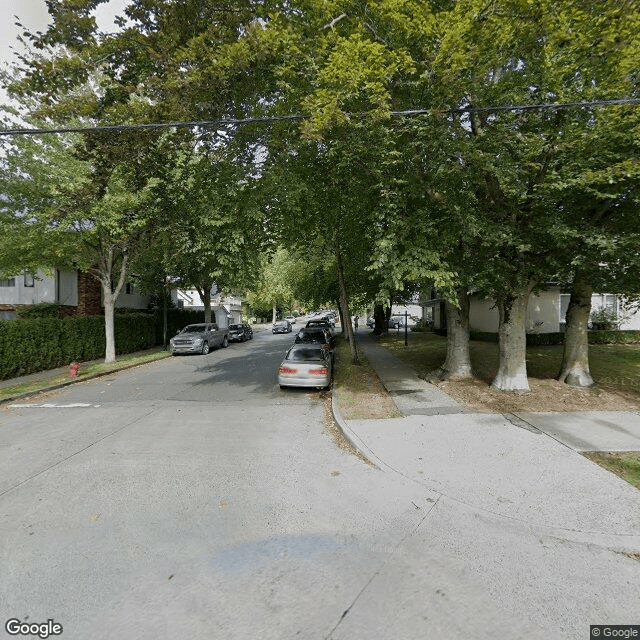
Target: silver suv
x,y
199,338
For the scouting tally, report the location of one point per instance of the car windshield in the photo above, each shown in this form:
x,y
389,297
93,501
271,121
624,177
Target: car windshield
x,y
234,326
194,328
311,336
304,354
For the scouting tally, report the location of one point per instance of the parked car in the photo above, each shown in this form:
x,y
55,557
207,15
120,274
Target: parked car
x,y
320,323
291,319
306,365
198,338
281,326
371,322
398,321
318,335
240,332
248,331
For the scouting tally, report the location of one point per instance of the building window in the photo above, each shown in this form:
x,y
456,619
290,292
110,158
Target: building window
x,y
8,282
564,305
29,280
609,302
128,288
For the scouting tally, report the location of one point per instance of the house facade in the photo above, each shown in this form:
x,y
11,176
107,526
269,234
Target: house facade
x,y
546,311
226,309
78,293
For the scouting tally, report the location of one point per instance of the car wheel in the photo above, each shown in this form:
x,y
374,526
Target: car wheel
x,y
205,348
225,342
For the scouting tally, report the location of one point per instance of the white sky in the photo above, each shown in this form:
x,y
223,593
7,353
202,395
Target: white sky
x,y
34,16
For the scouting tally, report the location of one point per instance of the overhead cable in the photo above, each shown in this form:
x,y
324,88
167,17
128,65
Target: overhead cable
x,y
225,122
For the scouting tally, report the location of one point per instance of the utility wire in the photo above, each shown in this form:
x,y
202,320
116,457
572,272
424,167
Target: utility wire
x,y
225,122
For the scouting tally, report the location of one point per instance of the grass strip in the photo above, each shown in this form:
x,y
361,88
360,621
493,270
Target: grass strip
x,y
85,373
626,465
360,393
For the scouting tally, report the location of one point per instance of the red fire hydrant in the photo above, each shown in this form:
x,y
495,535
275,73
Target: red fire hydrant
x,y
74,367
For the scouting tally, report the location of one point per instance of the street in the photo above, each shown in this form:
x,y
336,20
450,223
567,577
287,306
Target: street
x,y
193,498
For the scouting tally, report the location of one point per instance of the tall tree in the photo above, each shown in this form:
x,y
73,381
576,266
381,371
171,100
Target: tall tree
x,y
62,208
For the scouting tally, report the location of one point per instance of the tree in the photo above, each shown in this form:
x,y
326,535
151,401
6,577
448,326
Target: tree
x,y
276,284
213,226
62,207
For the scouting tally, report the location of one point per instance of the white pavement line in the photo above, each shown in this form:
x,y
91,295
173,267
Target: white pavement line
x,y
46,405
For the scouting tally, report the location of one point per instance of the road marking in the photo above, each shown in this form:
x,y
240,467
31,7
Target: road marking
x,y
46,405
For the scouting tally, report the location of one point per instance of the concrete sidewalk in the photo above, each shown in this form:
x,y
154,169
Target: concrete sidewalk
x,y
523,466
553,537
580,431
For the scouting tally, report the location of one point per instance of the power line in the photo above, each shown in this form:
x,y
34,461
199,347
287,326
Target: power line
x,y
225,122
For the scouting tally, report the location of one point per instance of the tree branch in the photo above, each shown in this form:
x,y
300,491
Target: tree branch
x,y
331,24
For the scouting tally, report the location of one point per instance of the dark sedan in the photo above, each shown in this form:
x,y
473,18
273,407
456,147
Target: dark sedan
x,y
317,335
240,332
282,326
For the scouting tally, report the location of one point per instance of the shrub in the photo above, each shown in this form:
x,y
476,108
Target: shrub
x,y
614,337
42,310
604,320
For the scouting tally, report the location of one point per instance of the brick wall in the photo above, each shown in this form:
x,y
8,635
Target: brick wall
x,y
89,295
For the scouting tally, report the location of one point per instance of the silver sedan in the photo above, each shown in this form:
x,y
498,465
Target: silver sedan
x,y
306,365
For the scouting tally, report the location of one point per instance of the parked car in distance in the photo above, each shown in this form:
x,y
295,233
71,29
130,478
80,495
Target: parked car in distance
x,y
198,338
371,322
319,323
319,335
396,322
240,332
291,319
281,326
306,365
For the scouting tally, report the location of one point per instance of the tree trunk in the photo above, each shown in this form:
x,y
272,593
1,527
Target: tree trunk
x,y
457,364
574,369
380,320
109,329
512,367
341,314
344,302
110,297
274,314
206,298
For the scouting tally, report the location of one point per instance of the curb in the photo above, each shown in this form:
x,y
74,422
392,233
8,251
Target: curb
x,y
351,437
68,383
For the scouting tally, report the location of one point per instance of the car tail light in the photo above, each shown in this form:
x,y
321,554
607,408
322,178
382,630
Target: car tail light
x,y
319,372
286,370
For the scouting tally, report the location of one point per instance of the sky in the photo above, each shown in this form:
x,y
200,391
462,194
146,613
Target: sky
x,y
33,15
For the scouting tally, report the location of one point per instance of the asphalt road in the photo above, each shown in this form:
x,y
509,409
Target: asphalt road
x,y
190,498
193,498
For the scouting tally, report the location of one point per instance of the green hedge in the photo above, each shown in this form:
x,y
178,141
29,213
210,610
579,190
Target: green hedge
x,y
614,337
37,344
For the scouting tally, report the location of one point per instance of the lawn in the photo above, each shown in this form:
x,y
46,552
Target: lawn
x,y
616,369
